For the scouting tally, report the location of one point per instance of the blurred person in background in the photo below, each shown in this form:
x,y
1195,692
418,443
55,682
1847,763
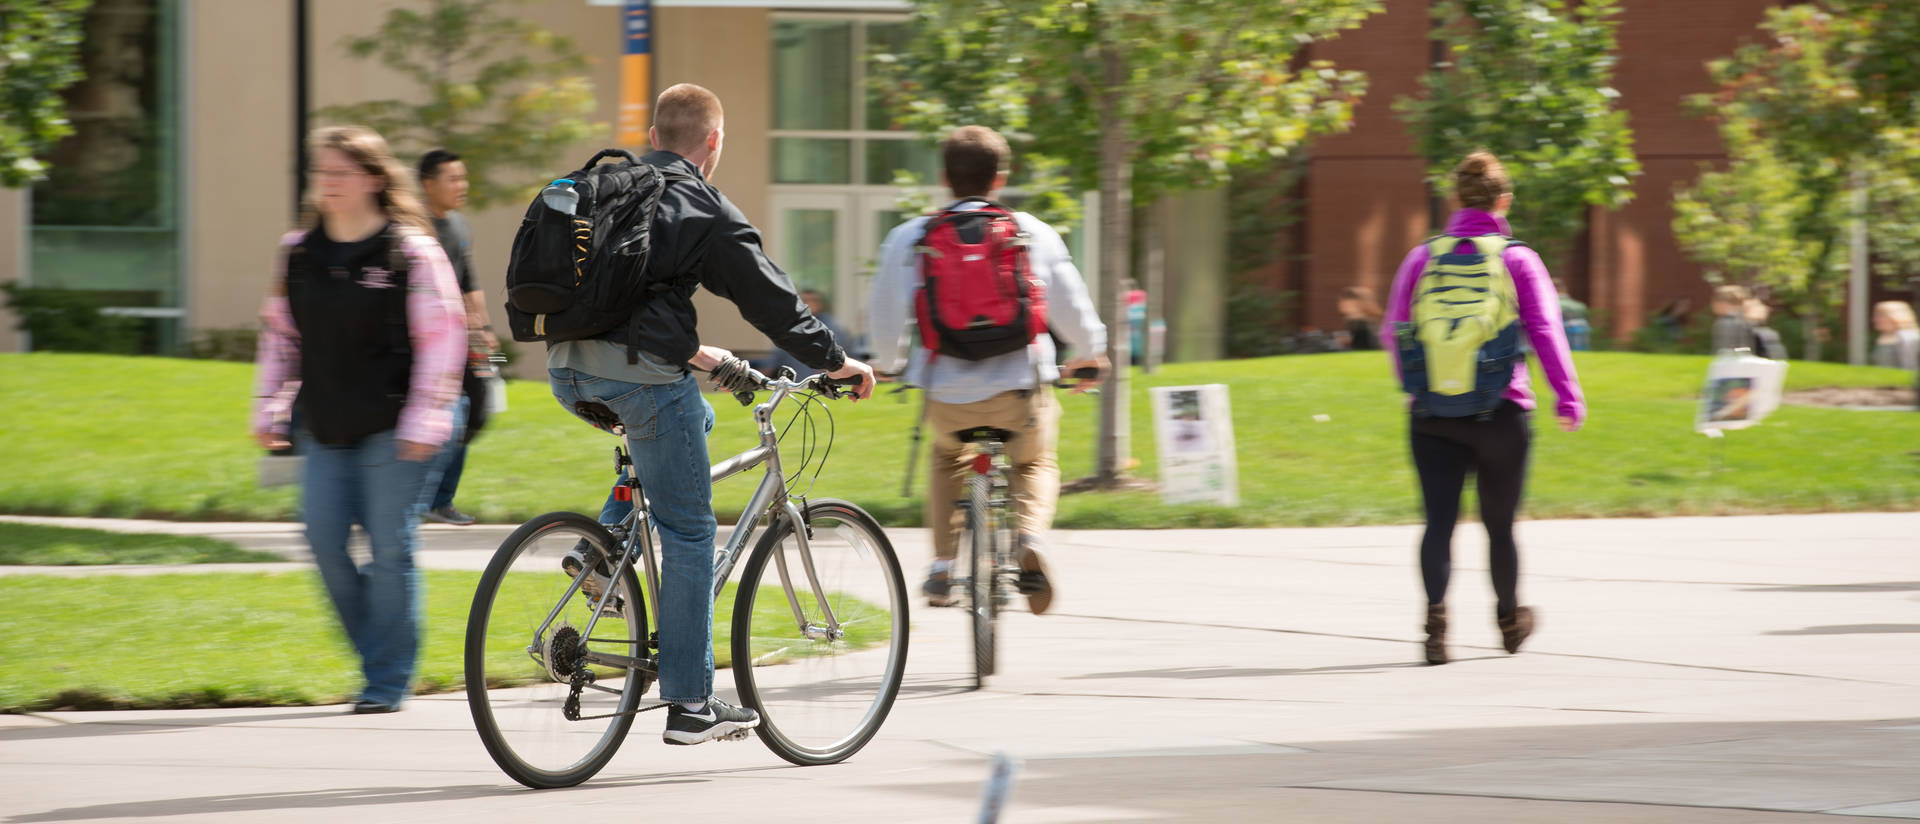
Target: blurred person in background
x,y
1362,315
363,333
1573,314
443,180
1730,327
1898,345
817,304
1766,341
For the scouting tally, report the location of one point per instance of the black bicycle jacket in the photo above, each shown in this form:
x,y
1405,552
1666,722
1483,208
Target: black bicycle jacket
x,y
701,239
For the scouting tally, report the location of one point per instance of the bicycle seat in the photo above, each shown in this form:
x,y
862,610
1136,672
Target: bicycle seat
x,y
598,414
983,433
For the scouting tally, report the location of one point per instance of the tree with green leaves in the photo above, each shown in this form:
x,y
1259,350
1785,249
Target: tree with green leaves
x,y
1828,94
1530,81
1743,223
39,57
501,92
1135,98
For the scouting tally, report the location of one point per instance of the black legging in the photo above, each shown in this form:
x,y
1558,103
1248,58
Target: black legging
x,y
1444,450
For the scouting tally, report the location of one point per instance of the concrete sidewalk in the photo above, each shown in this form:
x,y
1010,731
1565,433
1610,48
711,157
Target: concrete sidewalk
x,y
1686,670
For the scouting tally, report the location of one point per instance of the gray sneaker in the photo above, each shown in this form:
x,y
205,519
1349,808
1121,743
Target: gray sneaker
x,y
448,515
717,719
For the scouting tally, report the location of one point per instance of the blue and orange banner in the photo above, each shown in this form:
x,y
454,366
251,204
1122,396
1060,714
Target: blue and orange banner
x,y
636,74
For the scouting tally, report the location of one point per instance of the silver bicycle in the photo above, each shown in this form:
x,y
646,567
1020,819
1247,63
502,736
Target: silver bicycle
x,y
559,648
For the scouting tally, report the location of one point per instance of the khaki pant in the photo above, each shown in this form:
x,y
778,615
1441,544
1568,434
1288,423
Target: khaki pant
x,y
1034,418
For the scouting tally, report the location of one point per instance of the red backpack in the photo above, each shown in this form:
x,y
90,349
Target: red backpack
x,y
978,297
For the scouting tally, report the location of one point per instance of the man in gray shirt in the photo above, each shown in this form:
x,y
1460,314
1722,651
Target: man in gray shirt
x,y
443,179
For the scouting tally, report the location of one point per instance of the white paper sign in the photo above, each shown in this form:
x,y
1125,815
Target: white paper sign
x,y
1741,389
1194,425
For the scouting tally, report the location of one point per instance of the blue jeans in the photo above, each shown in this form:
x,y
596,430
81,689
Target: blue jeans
x,y
668,425
379,604
443,472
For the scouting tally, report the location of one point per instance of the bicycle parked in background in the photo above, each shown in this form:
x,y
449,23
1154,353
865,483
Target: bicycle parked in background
x,y
559,648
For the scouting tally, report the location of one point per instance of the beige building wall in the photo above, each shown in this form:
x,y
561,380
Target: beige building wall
x,y
729,51
13,261
699,45
238,155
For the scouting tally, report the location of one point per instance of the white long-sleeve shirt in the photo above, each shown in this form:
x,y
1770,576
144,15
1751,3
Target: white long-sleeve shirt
x,y
1070,314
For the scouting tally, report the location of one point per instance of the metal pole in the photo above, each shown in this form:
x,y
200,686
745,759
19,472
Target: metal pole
x,y
1857,279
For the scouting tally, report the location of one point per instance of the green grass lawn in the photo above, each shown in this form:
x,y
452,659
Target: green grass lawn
x,y
243,639
167,438
33,544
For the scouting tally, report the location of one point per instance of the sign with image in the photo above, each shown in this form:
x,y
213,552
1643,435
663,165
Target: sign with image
x,y
1741,390
1194,425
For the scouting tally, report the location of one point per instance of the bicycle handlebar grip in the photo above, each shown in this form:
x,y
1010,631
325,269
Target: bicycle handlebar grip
x,y
1086,373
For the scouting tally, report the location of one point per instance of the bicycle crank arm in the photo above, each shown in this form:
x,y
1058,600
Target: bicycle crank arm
x,y
625,662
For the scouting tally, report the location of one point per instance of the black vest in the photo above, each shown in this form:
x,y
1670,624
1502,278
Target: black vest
x,y
349,303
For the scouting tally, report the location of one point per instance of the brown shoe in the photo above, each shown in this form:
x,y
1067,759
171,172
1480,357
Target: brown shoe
x,y
1514,630
1436,634
1034,582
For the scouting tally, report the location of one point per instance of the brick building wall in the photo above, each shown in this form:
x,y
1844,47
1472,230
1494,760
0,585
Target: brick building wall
x,y
1366,204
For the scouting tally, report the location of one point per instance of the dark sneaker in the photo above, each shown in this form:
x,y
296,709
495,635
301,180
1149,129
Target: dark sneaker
x,y
1514,630
1436,647
939,589
1034,582
448,515
718,720
368,706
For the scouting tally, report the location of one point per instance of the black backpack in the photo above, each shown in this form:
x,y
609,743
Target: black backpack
x,y
581,275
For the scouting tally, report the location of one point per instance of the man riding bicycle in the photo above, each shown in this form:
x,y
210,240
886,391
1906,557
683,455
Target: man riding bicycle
x,y
1011,390
696,231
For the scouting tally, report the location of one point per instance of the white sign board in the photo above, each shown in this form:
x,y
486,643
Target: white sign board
x,y
1194,425
1740,390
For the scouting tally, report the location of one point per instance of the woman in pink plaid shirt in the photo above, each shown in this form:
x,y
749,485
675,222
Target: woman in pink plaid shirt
x,y
364,335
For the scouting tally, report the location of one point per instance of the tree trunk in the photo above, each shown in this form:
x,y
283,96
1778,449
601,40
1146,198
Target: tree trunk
x,y
1810,326
1156,281
1857,263
1116,225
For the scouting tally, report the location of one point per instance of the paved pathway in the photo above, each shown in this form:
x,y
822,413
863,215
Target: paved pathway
x,y
1687,670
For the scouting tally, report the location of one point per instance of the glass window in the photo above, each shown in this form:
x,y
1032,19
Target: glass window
x,y
812,160
813,74
885,157
812,256
882,38
106,218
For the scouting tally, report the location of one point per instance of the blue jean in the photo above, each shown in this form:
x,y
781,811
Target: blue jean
x,y
668,425
443,472
379,604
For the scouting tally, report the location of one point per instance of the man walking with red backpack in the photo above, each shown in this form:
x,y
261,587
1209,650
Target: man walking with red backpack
x,y
983,286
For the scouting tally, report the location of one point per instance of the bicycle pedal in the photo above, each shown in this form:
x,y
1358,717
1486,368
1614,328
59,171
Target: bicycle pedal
x,y
741,734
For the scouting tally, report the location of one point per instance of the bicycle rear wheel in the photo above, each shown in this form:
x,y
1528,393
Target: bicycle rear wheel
x,y
524,645
821,694
983,606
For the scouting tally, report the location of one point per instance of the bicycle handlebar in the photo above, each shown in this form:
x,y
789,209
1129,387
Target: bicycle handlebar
x,y
743,381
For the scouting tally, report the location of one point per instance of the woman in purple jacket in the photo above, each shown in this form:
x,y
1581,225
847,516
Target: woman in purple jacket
x,y
1493,448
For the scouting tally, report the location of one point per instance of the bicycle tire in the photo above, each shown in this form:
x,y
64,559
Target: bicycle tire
x,y
983,606
521,720
816,705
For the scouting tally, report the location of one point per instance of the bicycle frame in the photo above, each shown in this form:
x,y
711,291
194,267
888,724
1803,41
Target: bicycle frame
x,y
770,501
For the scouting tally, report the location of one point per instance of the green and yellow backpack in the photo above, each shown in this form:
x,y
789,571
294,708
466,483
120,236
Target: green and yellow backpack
x,y
1457,353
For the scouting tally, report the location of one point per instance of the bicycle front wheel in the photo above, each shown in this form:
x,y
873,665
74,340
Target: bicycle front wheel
x,y
525,642
822,674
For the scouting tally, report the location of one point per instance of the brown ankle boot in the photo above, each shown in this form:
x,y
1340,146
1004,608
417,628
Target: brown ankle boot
x,y
1514,630
1437,634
